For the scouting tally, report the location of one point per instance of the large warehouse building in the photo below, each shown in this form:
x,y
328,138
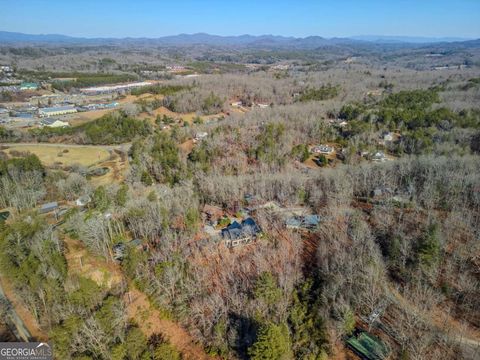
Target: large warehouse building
x,y
58,110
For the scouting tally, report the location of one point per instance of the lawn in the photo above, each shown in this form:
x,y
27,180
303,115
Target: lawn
x,y
49,154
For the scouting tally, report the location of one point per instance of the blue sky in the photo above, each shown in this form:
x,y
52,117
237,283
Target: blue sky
x,y
329,18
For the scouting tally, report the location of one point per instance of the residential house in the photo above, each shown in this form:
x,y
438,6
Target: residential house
x,y
280,67
379,156
83,200
262,105
6,68
387,136
323,149
307,222
200,136
237,234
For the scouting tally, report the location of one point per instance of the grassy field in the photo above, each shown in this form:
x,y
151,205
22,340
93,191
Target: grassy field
x,y
49,154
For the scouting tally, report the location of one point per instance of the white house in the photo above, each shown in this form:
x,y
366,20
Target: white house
x,y
83,200
387,136
323,149
379,157
200,136
262,106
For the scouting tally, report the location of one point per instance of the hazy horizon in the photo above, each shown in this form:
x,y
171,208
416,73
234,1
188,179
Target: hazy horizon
x,y
353,36
146,18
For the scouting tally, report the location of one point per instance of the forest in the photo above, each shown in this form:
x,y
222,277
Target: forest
x,y
394,251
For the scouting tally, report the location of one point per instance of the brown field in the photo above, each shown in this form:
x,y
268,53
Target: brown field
x,y
117,165
84,117
132,98
80,262
49,154
188,117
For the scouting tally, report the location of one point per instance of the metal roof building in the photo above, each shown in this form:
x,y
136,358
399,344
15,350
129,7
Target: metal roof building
x,y
57,110
45,208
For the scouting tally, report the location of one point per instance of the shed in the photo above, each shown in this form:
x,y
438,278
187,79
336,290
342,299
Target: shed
x,y
4,216
48,207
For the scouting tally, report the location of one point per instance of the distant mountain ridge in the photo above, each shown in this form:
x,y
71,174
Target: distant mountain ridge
x,y
408,39
217,40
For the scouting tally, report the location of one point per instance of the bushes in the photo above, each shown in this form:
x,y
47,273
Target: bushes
x,y
115,128
429,247
324,92
273,343
158,158
350,111
27,163
212,104
268,143
301,152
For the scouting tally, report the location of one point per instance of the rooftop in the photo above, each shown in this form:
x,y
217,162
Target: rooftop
x,y
57,108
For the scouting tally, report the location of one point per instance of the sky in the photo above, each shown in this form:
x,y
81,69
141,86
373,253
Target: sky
x,y
299,18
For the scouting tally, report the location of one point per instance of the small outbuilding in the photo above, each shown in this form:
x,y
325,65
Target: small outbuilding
x,y
48,207
83,200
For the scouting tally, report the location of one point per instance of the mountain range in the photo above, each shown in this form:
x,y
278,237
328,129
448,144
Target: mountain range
x,y
217,40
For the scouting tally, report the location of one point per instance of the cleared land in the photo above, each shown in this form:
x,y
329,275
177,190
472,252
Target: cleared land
x,y
50,154
81,261
84,117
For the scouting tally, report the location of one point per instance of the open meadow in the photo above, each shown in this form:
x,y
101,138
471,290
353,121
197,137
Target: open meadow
x,y
53,154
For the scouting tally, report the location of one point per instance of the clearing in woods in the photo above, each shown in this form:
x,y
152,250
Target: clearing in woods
x,y
50,154
139,307
80,261
117,165
186,117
